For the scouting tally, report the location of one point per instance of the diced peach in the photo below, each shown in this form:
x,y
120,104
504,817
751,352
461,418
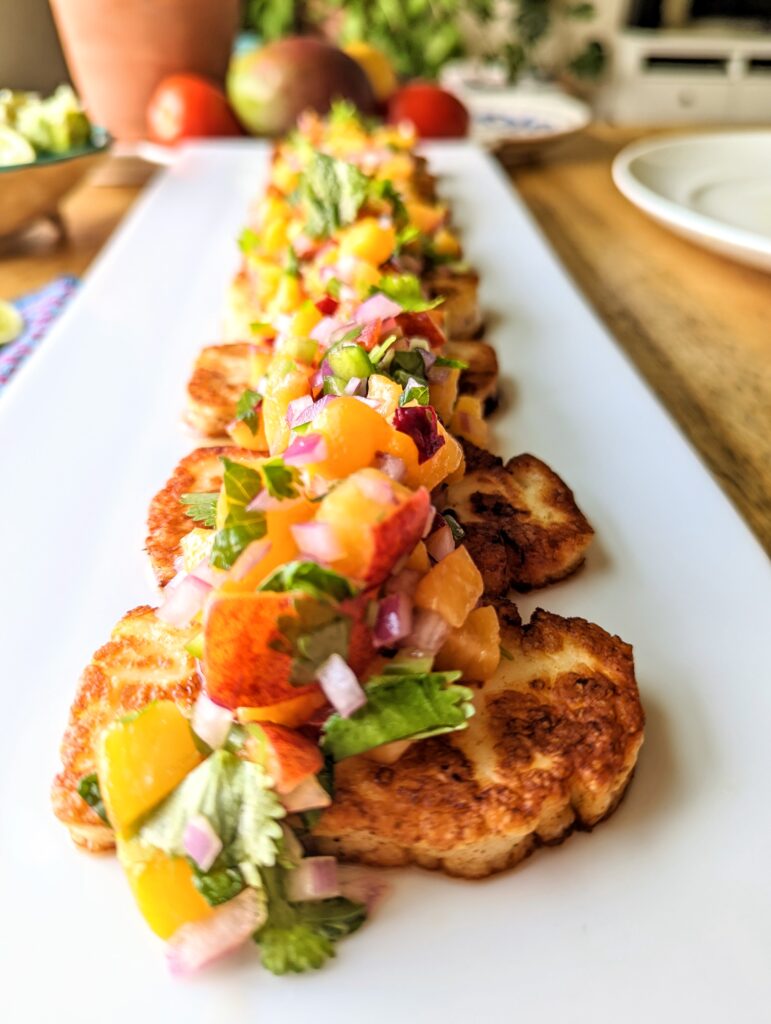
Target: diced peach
x,y
287,755
275,405
418,560
452,588
241,665
293,712
444,393
386,393
424,216
162,886
369,240
433,471
141,759
474,647
467,421
354,433
373,530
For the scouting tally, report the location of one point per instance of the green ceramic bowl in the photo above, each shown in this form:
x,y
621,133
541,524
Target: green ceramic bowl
x,y
34,190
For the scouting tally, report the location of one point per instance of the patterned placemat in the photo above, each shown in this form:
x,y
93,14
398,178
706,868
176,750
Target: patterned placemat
x,y
39,309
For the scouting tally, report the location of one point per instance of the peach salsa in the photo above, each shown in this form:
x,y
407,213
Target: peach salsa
x,y
326,612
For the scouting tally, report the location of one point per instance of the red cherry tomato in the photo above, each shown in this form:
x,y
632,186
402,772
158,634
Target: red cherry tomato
x,y
187,107
435,113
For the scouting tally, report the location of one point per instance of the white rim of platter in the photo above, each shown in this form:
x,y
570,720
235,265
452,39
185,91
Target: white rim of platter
x,y
713,188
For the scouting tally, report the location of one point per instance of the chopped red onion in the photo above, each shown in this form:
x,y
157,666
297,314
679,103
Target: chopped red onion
x,y
391,465
318,540
201,842
309,795
394,620
438,374
309,411
198,943
306,448
341,687
210,721
352,386
252,555
263,501
361,885
324,330
317,380
440,543
429,632
295,407
430,516
314,878
420,423
206,572
428,357
183,602
376,307
371,402
403,582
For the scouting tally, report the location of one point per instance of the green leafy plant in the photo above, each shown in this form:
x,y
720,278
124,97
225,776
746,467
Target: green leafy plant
x,y
530,23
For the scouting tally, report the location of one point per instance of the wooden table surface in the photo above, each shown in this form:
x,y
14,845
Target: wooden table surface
x,y
697,326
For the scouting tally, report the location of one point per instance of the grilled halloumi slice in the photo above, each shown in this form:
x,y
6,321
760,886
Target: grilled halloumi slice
x,y
551,748
167,521
523,527
462,313
220,375
222,372
144,660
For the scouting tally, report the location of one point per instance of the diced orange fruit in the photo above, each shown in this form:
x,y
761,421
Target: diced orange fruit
x,y
162,886
373,532
304,320
474,647
452,588
433,471
467,421
446,244
354,433
273,238
444,393
424,216
418,560
293,712
369,240
242,435
140,759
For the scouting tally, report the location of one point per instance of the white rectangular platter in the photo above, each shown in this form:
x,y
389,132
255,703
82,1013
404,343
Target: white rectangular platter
x,y
663,913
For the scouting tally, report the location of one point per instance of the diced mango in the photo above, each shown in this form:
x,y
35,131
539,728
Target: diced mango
x,y
283,547
259,361
275,405
419,560
273,239
304,320
452,588
288,295
284,177
242,434
474,647
369,240
140,759
467,421
433,471
162,886
446,244
293,712
354,433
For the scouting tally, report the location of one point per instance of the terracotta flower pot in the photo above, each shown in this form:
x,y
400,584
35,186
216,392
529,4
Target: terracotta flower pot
x,y
118,50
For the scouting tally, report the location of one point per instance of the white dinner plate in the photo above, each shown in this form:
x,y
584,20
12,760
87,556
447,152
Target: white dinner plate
x,y
662,914
714,189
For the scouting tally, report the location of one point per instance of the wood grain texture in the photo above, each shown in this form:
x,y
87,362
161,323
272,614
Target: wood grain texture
x,y
697,326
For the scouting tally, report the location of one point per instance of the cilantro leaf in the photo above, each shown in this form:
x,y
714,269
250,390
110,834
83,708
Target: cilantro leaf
x,y
88,789
457,531
218,885
414,391
241,484
234,795
399,707
311,636
311,578
299,937
332,193
230,541
201,507
454,364
247,409
406,290
280,479
382,188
